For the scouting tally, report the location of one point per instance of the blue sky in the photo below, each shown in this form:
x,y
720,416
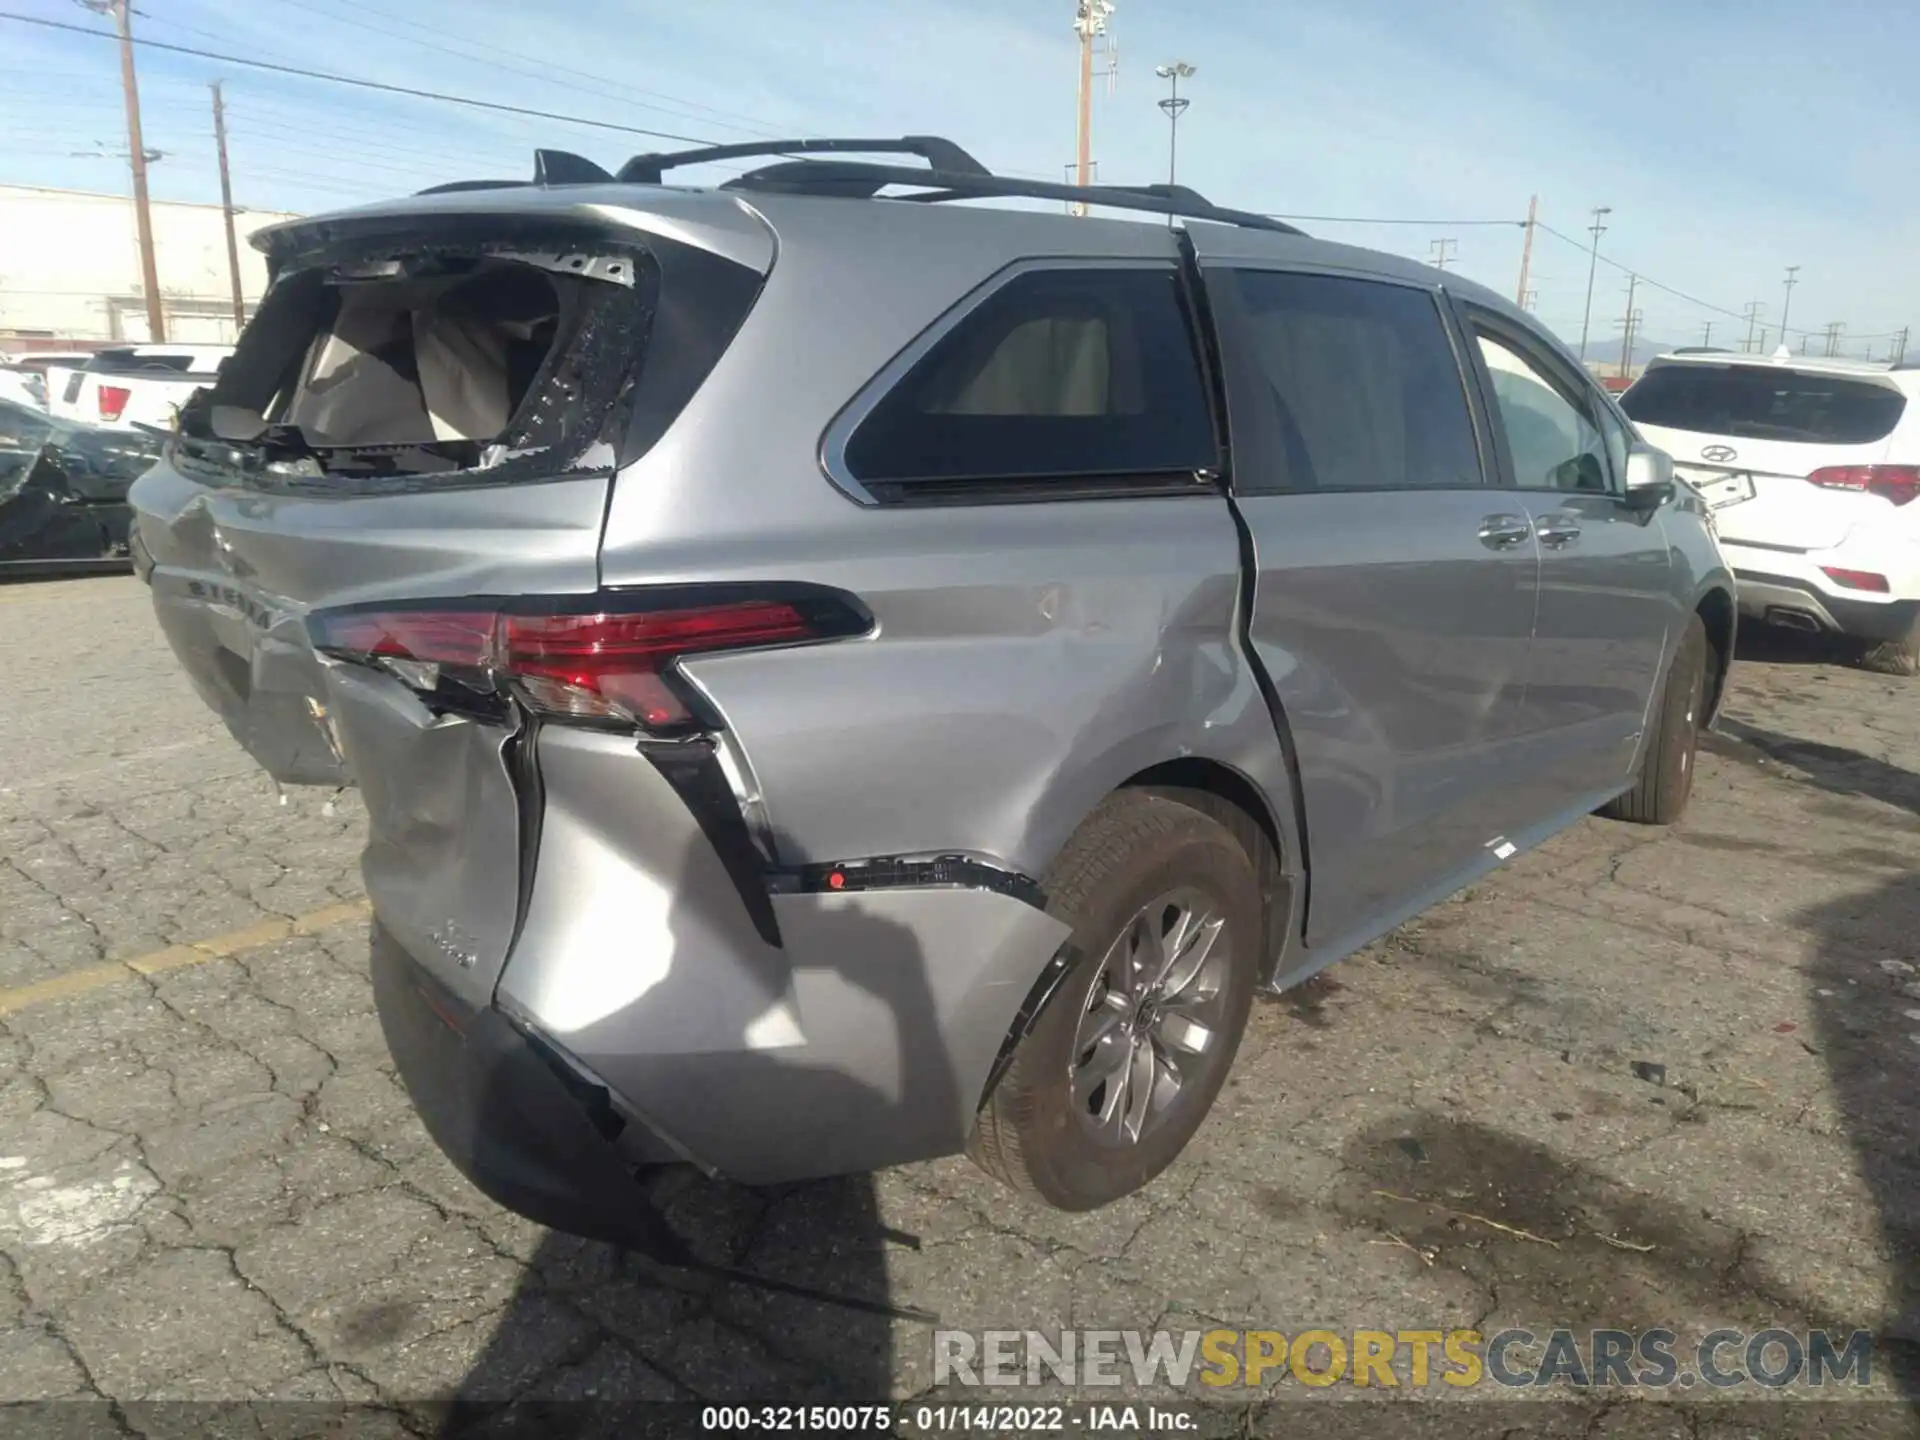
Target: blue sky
x,y
1730,139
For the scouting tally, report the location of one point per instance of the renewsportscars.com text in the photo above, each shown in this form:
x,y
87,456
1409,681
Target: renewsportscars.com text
x,y
1390,1359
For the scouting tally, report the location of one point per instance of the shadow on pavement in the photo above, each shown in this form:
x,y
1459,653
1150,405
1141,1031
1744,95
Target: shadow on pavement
x,y
1777,645
1866,1004
1832,768
1865,976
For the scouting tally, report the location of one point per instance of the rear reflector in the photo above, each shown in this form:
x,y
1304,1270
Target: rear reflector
x,y
1898,483
1856,579
604,665
113,401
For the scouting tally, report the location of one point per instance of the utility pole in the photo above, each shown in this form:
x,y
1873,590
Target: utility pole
x,y
226,207
1706,334
1439,249
1833,336
1754,307
137,154
1090,23
1900,347
1526,250
1175,105
1593,260
1786,306
1626,339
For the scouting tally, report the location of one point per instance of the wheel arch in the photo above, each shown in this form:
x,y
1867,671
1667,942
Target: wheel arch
x,y
1717,611
1219,791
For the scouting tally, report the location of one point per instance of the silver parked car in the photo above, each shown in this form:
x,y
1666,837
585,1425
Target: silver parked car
x,y
839,678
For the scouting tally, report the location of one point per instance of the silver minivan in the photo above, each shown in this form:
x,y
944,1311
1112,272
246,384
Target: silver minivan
x,y
840,677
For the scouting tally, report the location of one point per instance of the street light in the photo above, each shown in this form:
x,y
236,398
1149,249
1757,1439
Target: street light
x,y
1593,262
1175,105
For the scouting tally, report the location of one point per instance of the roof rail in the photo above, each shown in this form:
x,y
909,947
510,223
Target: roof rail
x,y
864,181
951,174
938,153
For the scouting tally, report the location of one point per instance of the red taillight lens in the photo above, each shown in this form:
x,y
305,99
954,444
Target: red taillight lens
x,y
608,666
113,401
605,665
1856,579
432,637
1898,483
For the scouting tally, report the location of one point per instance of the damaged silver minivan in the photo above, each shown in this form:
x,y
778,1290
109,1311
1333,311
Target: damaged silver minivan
x,y
839,678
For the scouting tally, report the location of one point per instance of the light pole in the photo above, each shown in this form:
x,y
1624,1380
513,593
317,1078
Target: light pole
x,y
1593,262
1173,72
1787,304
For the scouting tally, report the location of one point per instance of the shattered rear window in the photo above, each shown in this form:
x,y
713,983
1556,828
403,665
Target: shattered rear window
x,y
393,368
416,362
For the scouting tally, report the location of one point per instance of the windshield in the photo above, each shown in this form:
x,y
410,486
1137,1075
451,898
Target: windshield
x,y
1755,403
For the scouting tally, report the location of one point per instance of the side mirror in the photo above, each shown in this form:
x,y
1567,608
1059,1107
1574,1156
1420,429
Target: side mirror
x,y
1649,478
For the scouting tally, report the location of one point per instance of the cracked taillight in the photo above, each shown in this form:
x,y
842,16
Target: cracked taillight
x,y
600,665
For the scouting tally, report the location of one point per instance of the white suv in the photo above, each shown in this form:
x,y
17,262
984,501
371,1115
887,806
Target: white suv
x,y
136,386
1811,467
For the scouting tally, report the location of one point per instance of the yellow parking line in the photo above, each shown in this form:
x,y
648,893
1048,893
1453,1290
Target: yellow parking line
x,y
174,957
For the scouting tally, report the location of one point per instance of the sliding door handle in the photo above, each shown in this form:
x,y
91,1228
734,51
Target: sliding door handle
x,y
1504,532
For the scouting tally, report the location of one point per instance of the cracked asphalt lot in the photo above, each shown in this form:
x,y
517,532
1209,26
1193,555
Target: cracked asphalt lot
x,y
213,1188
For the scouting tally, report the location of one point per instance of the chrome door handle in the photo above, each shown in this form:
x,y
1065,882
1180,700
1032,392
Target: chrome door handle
x,y
1558,531
1503,532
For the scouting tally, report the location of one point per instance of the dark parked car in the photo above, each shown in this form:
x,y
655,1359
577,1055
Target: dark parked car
x,y
63,491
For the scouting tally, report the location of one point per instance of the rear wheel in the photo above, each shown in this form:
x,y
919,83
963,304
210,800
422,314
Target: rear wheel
x,y
1666,771
1890,657
1125,1061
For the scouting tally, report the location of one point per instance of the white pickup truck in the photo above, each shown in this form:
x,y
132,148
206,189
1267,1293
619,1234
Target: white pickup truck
x,y
135,386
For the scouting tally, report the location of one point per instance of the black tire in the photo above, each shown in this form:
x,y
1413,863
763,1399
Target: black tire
x,y
1889,657
1138,847
1660,795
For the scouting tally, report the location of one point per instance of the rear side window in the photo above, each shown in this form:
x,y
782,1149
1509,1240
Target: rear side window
x,y
1360,382
1753,403
1058,375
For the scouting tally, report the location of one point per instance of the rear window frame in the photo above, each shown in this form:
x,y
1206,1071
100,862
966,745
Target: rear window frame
x,y
1767,377
689,285
265,366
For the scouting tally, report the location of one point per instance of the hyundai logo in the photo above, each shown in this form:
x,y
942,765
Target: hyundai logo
x,y
1720,454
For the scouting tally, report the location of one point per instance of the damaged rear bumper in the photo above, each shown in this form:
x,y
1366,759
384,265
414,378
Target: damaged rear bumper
x,y
507,1116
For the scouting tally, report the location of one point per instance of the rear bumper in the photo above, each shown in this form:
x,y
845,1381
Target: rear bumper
x,y
1804,605
1793,588
502,1112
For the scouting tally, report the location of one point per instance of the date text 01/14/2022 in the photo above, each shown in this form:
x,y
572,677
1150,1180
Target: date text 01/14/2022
x,y
945,1419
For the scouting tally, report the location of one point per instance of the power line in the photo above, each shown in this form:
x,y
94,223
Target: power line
x,y
600,86
624,91
1681,294
379,85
